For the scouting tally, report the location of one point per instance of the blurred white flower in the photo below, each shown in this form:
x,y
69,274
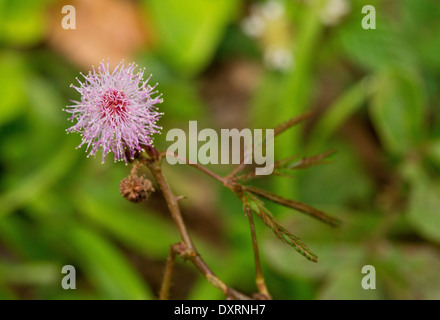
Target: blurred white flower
x,y
272,10
269,24
253,26
278,58
334,11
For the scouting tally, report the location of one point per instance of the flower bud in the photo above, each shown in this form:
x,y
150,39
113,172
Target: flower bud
x,y
136,189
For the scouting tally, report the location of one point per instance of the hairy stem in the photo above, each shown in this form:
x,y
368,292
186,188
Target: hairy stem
x,y
171,201
166,281
194,165
186,248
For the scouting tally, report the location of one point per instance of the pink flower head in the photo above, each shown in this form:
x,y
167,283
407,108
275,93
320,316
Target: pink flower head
x,y
117,111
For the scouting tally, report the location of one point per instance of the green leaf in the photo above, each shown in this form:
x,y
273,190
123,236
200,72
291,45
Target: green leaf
x,y
296,86
433,151
335,248
345,284
182,101
105,266
341,182
424,203
45,100
23,239
189,31
144,232
35,273
374,49
398,110
331,257
13,73
36,183
345,105
22,22
425,41
203,290
417,278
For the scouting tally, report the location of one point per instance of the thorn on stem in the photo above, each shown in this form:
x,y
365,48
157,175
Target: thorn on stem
x,y
178,198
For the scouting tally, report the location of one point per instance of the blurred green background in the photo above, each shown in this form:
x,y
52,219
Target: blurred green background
x,y
226,63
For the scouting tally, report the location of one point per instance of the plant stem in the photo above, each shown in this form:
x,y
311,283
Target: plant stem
x,y
135,168
186,248
171,201
259,278
166,281
194,165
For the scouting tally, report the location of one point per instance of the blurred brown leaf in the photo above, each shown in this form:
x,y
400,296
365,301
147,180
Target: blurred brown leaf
x,y
104,29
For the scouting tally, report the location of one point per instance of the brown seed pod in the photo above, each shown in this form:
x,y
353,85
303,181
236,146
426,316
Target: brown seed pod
x,y
136,189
